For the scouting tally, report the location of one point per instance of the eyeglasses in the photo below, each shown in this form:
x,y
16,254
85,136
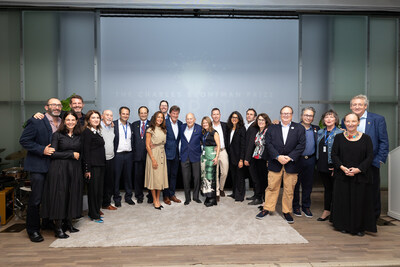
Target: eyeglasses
x,y
286,114
236,118
55,105
308,116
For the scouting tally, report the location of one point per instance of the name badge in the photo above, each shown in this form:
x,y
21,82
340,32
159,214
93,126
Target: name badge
x,y
324,149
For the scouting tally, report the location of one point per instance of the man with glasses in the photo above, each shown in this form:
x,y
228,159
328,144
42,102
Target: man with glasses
x,y
285,142
36,139
306,165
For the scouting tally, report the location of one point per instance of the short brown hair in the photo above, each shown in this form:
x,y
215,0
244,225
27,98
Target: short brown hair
x,y
75,96
174,108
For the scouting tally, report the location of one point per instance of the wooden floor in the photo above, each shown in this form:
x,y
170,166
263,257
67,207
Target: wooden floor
x,y
326,247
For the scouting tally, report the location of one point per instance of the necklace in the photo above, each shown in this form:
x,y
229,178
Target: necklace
x,y
351,136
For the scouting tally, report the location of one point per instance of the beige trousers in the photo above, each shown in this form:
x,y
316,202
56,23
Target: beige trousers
x,y
222,169
274,186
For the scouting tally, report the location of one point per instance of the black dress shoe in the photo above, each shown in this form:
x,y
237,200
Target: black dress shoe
x,y
140,200
129,201
251,198
360,234
186,203
231,195
323,219
260,207
35,237
118,204
197,200
255,202
59,233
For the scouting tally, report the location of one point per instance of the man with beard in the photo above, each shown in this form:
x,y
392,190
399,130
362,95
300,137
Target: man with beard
x,y
36,139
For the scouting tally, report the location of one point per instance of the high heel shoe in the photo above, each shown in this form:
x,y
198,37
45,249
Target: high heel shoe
x,y
157,208
58,231
323,219
70,227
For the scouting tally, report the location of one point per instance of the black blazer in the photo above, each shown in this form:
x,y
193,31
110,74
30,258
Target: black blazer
x,y
250,144
116,132
294,147
36,136
139,153
236,148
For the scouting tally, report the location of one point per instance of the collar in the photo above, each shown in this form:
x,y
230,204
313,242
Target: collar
x,y
283,126
105,126
364,116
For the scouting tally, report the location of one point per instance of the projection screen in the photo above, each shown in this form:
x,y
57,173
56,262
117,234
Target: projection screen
x,y
198,64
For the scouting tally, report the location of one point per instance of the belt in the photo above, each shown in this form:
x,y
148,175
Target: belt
x,y
222,149
124,152
307,157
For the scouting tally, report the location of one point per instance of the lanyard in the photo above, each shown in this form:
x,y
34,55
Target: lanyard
x,y
125,130
330,134
204,138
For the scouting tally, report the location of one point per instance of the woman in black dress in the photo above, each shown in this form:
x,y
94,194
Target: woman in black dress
x,y
256,157
208,162
352,208
62,196
94,162
236,151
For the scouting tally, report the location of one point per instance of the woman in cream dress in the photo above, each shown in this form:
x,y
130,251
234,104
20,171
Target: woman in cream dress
x,y
156,175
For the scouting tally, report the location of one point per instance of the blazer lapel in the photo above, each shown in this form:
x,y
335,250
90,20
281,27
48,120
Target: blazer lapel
x,y
280,133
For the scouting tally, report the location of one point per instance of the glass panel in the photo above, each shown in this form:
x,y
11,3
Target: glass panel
x,y
349,54
383,59
77,54
40,55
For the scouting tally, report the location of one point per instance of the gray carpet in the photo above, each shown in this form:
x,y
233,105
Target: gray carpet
x,y
141,225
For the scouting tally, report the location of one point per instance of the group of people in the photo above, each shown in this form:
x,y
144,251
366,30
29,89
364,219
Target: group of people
x,y
68,149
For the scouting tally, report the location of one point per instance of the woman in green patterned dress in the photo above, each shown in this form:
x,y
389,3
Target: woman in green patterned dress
x,y
209,160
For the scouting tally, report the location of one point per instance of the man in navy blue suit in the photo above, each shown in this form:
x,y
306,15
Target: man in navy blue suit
x,y
139,129
123,146
36,139
307,165
164,108
285,143
190,157
373,125
172,152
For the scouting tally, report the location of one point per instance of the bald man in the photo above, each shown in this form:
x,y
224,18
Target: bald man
x,y
190,157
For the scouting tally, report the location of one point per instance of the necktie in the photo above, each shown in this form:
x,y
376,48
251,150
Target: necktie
x,y
142,131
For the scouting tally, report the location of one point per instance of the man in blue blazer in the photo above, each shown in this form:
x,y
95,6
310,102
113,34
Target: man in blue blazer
x,y
123,146
373,125
36,139
190,157
139,129
172,152
285,143
307,165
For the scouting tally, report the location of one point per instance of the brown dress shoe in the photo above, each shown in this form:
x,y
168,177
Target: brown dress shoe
x,y
175,199
110,207
217,198
167,201
221,193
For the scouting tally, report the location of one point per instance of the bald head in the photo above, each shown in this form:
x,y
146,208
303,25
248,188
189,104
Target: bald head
x,y
107,117
190,119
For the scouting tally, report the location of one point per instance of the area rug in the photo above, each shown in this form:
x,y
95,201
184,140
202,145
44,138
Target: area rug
x,y
229,223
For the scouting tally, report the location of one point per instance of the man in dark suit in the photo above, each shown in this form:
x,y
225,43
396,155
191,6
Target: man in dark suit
x,y
164,108
36,139
172,152
373,125
251,115
285,143
190,157
306,165
139,152
123,146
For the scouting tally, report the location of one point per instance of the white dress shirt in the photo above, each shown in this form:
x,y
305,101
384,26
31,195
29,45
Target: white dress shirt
x,y
285,132
221,135
363,122
175,127
125,135
188,133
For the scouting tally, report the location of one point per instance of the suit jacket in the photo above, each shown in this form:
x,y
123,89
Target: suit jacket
x,y
172,143
116,132
139,144
250,144
191,149
294,147
35,137
236,148
375,127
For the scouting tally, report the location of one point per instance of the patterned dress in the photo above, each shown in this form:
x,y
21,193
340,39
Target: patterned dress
x,y
208,169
